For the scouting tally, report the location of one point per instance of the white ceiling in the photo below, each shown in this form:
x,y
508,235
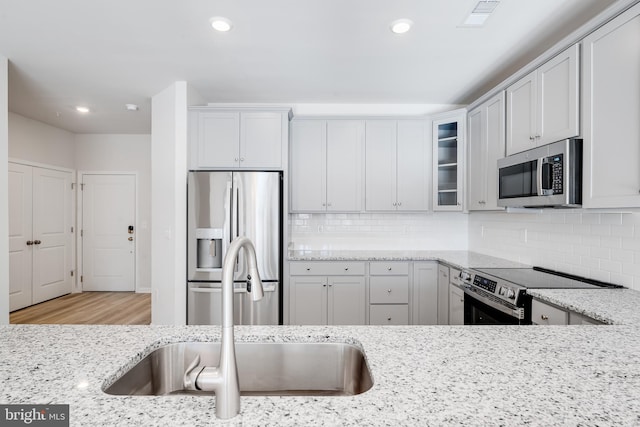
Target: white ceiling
x,y
105,53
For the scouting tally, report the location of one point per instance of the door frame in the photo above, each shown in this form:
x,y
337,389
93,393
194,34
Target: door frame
x,y
81,174
74,188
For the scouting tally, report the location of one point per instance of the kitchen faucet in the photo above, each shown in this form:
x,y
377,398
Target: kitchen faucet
x,y
223,379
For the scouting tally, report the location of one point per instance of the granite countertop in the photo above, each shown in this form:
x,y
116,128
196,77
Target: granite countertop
x,y
459,259
423,375
612,306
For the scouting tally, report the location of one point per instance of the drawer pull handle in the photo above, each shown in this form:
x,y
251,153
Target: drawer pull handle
x,y
543,317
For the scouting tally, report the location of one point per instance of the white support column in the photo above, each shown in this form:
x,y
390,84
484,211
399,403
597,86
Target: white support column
x,y
4,191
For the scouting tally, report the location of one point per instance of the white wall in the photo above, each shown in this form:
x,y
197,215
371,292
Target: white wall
x,y
168,204
379,231
35,141
603,246
124,153
4,191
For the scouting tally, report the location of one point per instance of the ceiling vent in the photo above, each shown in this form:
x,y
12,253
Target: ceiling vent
x,y
480,13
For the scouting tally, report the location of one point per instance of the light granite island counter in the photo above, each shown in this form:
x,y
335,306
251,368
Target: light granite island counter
x,y
423,375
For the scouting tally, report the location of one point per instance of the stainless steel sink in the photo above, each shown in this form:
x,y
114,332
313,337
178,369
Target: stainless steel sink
x,y
278,369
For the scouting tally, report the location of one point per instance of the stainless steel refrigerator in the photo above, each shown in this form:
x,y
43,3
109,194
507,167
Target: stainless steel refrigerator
x,y
222,206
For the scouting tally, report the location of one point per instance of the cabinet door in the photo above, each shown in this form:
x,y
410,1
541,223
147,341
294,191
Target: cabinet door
x,y
20,232
217,140
448,148
344,165
308,165
380,165
413,166
425,293
346,301
611,96
521,114
443,295
477,159
495,148
456,305
261,136
308,300
544,314
558,93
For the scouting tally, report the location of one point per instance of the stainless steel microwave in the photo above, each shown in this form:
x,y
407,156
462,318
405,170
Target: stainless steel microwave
x,y
547,176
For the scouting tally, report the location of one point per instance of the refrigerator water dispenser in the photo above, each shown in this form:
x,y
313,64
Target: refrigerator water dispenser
x,y
209,247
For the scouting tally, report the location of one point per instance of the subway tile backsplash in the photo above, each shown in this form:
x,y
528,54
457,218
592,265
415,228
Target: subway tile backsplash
x,y
378,231
602,245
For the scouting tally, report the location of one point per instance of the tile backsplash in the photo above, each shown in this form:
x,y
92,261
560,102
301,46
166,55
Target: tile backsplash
x,y
378,231
603,246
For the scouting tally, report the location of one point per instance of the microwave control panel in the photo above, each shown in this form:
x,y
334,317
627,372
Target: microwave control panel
x,y
556,173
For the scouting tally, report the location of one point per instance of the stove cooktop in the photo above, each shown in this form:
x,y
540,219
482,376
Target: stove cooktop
x,y
539,278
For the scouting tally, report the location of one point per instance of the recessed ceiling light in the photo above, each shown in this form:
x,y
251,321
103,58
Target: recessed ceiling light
x,y
220,23
401,26
131,107
83,110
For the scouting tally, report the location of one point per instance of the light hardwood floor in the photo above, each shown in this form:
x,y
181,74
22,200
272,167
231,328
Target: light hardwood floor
x,y
89,308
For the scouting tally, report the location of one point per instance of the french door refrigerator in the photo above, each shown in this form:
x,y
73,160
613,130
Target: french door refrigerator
x,y
221,206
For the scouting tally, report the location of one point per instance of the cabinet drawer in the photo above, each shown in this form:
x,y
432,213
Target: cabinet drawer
x,y
384,314
326,268
389,268
389,290
543,314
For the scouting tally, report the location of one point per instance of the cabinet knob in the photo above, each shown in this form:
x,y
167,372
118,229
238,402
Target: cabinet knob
x,y
36,242
29,243
328,204
235,160
395,204
346,269
543,317
324,204
242,159
389,290
389,268
389,319
324,286
531,138
308,268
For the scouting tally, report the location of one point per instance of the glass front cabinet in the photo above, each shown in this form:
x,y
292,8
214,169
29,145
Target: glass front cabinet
x,y
448,157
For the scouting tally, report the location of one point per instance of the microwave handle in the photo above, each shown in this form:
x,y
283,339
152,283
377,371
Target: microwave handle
x,y
539,176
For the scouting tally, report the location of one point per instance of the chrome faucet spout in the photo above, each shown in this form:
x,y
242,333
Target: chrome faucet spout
x,y
223,379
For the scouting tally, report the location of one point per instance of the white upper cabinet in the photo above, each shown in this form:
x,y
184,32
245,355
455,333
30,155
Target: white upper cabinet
x,y
543,106
397,165
223,139
611,96
326,165
448,155
486,145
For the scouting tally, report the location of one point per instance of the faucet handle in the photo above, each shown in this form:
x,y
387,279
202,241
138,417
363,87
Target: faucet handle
x,y
191,374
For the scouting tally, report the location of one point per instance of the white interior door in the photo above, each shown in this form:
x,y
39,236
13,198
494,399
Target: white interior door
x,y
51,234
108,248
20,236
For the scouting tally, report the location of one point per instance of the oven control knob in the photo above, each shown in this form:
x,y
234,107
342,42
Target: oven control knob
x,y
465,276
502,291
511,294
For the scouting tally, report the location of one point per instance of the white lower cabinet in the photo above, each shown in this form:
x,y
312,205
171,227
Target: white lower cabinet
x,y
389,293
456,305
545,314
425,293
389,314
327,293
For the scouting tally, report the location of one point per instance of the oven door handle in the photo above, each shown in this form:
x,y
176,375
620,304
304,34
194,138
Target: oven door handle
x,y
518,312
